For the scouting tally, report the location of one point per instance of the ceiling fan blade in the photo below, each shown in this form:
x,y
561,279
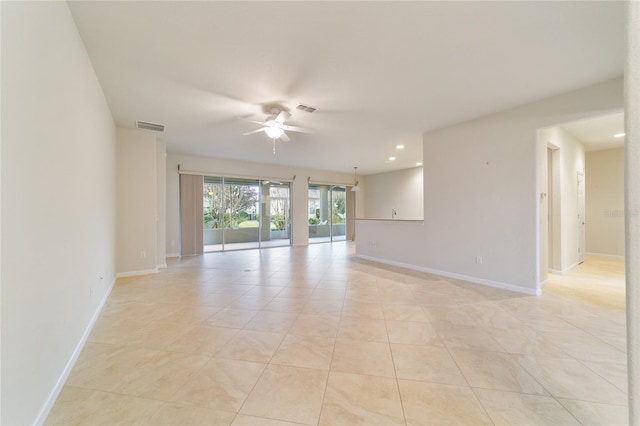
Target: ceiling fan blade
x,y
282,117
285,138
254,131
296,129
264,123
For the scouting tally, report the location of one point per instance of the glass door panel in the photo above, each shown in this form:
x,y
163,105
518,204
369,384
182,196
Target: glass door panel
x,y
319,217
213,214
338,213
279,226
241,214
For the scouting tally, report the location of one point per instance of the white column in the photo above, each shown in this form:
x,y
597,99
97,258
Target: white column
x,y
632,206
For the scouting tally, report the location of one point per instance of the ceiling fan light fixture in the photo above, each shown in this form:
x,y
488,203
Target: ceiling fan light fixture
x,y
273,132
355,187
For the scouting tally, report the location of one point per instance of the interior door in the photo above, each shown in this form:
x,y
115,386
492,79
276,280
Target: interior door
x,y
581,218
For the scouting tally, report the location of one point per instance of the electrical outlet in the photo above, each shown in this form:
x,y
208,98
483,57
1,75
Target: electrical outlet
x,y
143,254
479,260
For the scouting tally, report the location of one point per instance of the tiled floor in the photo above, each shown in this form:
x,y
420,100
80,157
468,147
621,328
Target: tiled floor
x,y
315,336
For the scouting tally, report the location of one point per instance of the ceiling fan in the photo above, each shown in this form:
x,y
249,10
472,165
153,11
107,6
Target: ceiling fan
x,y
275,128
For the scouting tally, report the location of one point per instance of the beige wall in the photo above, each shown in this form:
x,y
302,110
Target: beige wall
x,y
401,190
161,204
481,194
137,202
605,202
58,210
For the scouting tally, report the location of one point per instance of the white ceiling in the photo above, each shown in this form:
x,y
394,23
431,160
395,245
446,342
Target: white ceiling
x,y
598,133
380,73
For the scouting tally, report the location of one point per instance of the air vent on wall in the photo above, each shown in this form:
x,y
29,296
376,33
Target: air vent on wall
x,y
149,126
305,108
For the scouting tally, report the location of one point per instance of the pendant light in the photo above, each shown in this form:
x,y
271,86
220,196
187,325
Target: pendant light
x,y
355,187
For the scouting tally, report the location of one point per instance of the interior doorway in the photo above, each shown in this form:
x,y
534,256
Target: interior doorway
x,y
580,177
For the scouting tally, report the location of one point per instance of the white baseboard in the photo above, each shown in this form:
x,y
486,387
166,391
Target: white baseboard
x,y
563,271
172,255
301,245
135,273
46,408
162,266
476,280
610,256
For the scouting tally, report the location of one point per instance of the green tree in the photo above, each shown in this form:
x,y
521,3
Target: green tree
x,y
239,203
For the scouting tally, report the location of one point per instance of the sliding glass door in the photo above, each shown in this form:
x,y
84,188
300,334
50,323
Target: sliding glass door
x,y
327,213
245,214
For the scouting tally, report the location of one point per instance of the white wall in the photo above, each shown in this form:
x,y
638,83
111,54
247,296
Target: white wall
x,y
481,192
605,202
402,190
58,210
224,167
137,202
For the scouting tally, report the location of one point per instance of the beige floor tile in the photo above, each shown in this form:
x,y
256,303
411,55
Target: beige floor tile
x,y
583,346
366,310
525,341
232,318
155,331
271,321
133,371
353,399
323,307
413,333
253,303
220,384
362,357
614,373
76,406
434,404
305,351
295,292
205,339
251,345
403,312
316,325
282,304
481,314
328,294
426,363
171,414
467,338
287,393
495,370
510,408
242,420
595,414
568,378
362,329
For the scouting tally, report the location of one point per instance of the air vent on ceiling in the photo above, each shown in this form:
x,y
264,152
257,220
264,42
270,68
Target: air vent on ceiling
x,y
149,126
305,108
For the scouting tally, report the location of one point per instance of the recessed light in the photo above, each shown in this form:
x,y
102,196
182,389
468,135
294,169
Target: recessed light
x,y
400,146
418,163
619,135
392,158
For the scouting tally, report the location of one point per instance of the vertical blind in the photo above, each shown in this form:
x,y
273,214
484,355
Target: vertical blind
x,y
191,224
351,215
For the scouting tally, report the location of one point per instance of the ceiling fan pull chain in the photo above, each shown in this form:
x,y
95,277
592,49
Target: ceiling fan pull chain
x,y
274,146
